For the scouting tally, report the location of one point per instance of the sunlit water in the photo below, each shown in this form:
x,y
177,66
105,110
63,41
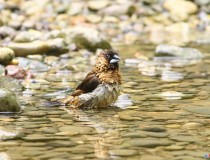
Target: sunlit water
x,y
169,118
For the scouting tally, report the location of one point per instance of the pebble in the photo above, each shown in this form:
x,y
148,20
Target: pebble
x,y
129,115
39,138
79,130
192,125
123,152
93,5
148,143
136,134
174,148
153,129
9,144
175,6
182,138
151,157
35,113
62,143
28,36
34,144
203,110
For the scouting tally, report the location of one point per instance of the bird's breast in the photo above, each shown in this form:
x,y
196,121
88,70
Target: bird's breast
x,y
102,96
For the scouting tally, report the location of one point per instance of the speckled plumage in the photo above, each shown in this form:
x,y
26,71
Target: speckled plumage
x,y
100,87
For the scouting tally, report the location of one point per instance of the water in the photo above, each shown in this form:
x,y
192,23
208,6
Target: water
x,y
168,119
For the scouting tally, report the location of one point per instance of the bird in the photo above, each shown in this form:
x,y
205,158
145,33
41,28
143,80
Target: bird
x,y
101,86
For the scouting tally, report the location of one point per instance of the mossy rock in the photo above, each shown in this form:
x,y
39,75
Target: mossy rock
x,y
9,101
83,42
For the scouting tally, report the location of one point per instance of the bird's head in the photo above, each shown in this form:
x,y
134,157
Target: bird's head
x,y
111,59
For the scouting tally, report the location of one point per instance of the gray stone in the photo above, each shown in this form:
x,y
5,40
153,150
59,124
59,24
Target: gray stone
x,y
32,65
169,50
9,101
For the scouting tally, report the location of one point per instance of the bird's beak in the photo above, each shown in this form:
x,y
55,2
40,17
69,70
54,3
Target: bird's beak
x,y
115,59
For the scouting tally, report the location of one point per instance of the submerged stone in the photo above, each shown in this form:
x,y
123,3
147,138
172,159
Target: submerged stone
x,y
148,143
6,134
129,115
9,101
205,110
79,130
32,65
10,83
123,152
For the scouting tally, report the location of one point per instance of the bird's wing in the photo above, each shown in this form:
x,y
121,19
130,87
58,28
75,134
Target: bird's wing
x,y
90,82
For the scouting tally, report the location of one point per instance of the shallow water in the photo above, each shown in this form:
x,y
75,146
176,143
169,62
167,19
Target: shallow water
x,y
168,120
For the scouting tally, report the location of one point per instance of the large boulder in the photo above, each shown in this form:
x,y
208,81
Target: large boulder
x,y
9,101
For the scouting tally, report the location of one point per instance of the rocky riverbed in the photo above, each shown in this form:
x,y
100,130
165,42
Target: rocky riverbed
x,y
47,47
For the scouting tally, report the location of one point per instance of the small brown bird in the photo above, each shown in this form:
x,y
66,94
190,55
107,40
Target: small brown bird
x,y
100,88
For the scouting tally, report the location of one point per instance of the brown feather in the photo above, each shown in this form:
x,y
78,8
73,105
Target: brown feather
x,y
90,82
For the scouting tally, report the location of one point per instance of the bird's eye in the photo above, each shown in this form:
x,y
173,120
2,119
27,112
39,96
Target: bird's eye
x,y
107,56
